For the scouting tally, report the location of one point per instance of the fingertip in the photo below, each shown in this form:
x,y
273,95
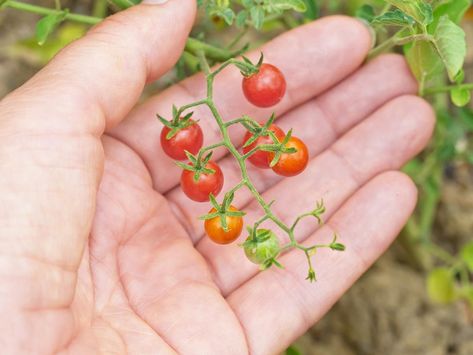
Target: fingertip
x,y
356,32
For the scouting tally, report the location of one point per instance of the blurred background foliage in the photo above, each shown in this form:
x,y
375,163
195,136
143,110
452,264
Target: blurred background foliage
x,y
418,298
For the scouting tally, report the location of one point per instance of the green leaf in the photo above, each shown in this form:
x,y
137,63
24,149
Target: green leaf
x,y
257,16
313,9
292,350
296,5
247,3
228,15
424,61
441,286
394,18
460,97
241,18
365,12
47,24
454,9
450,42
418,10
466,255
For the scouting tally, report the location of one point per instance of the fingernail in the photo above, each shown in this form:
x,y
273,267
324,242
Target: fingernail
x,y
370,29
154,2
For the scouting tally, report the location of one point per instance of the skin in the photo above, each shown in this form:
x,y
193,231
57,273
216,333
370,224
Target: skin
x,y
265,88
102,251
294,163
215,231
187,139
207,184
260,158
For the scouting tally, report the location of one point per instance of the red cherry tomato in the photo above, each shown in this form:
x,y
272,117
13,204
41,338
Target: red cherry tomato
x,y
215,231
291,164
260,158
189,138
265,88
207,184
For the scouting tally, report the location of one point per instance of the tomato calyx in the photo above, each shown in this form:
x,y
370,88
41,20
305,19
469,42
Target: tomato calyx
x,y
247,68
197,164
223,210
177,123
279,149
336,246
260,131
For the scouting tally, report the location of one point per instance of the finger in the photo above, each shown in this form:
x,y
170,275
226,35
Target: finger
x,y
51,154
317,122
286,304
313,58
332,176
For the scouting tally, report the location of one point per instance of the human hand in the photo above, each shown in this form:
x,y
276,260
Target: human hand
x,y
102,253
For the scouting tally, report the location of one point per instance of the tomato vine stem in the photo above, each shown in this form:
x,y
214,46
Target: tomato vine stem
x,y
241,159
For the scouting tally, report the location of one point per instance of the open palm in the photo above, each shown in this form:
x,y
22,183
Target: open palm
x,y
100,250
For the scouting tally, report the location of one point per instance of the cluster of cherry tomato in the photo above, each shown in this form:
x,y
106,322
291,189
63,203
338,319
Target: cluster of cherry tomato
x,y
202,179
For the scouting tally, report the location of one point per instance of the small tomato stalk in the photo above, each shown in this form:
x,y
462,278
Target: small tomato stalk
x,y
264,145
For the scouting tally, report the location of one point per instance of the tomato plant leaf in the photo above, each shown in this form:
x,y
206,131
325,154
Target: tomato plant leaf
x,y
296,5
454,9
227,14
460,97
449,40
257,16
418,10
313,9
393,18
466,255
241,18
365,12
292,350
47,24
441,286
424,61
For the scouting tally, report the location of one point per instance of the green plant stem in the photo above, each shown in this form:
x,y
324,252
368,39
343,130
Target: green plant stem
x,y
237,38
18,5
447,88
100,8
192,45
397,40
226,141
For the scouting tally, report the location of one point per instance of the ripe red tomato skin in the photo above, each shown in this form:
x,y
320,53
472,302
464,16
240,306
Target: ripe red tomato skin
x,y
217,234
292,164
190,138
265,88
260,158
208,183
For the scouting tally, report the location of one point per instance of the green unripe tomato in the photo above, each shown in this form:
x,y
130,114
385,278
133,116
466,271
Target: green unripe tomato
x,y
262,249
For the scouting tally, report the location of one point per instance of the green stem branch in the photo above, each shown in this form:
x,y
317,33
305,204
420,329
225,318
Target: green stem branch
x,y
40,10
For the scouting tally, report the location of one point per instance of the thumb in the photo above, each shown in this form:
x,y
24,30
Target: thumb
x,y
51,155
96,80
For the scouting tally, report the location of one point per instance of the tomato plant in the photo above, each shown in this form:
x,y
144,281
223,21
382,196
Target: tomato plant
x,y
427,32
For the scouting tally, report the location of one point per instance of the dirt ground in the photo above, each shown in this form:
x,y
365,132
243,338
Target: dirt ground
x,y
387,311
